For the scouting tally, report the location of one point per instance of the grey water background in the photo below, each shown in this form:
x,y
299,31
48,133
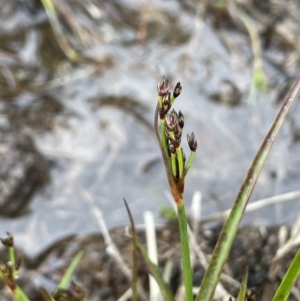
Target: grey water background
x,y
100,142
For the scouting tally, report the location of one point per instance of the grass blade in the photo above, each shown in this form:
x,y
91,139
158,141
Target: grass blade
x,y
289,279
134,255
153,268
70,271
45,294
20,295
58,31
212,274
185,250
243,289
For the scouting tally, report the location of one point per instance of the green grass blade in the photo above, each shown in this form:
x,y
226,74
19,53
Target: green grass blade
x,y
153,268
58,31
185,249
45,294
20,295
289,279
134,255
243,289
221,251
70,271
11,251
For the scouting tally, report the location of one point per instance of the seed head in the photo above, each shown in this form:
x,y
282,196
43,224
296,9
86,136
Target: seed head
x,y
172,147
177,90
163,87
192,141
8,241
180,119
171,121
166,103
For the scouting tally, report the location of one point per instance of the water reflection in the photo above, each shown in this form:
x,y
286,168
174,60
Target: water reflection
x,y
92,121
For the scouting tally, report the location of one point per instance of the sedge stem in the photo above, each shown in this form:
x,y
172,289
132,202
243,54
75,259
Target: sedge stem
x,y
190,161
185,249
180,161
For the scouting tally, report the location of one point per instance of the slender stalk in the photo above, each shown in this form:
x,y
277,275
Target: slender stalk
x,y
289,279
185,249
190,161
12,256
71,54
134,255
180,161
221,251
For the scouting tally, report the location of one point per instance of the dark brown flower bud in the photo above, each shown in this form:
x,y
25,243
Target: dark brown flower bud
x,y
178,133
8,241
166,103
171,147
76,291
192,141
163,87
250,295
171,121
177,90
180,119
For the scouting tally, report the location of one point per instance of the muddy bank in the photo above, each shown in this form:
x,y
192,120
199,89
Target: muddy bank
x,y
102,278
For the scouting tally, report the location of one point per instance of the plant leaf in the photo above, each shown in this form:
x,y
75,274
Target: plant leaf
x,y
70,271
153,268
289,279
221,251
243,288
134,255
20,295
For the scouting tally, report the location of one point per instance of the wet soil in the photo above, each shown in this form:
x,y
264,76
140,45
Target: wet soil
x,y
102,278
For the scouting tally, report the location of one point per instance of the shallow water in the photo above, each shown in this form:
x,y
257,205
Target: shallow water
x,y
92,121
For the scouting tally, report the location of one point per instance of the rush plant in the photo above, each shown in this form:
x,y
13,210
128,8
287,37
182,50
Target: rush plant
x,y
168,126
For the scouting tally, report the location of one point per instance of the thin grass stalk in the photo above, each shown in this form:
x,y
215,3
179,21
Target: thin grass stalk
x,y
20,295
134,281
45,294
58,32
221,251
70,271
289,279
178,198
243,288
153,268
185,249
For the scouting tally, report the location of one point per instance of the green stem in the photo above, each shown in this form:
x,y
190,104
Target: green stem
x,y
173,164
164,138
185,249
12,256
289,279
180,161
190,161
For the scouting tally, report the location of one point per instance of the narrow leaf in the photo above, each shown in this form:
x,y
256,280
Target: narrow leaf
x,y
45,294
153,268
220,254
243,288
70,271
289,279
134,255
20,295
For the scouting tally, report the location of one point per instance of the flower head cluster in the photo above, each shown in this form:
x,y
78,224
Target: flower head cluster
x,y
73,293
9,269
171,127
